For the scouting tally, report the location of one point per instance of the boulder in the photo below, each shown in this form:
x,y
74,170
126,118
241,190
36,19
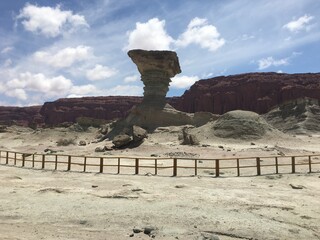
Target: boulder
x,y
138,133
189,139
82,143
99,149
3,129
121,140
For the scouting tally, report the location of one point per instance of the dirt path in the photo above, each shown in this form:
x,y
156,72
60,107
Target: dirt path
x,y
38,204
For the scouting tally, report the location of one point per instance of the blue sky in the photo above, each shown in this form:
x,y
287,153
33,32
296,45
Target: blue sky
x,y
51,49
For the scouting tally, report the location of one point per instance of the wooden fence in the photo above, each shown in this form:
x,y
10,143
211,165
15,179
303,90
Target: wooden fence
x,y
244,166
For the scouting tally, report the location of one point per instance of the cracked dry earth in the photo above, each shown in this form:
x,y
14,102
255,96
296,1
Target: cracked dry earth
x,y
37,204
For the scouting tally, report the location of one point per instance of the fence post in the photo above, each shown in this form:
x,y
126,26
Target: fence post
x,y
118,165
195,167
277,166
238,167
85,164
23,159
33,160
175,167
310,170
293,163
217,168
101,165
258,166
137,166
7,157
69,163
15,158
43,161
155,167
56,163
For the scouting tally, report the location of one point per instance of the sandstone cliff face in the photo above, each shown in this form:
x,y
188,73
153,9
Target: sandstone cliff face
x,y
69,109
256,92
23,116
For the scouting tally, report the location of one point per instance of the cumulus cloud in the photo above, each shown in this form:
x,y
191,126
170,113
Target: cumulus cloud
x,y
124,90
149,36
65,57
17,93
6,50
52,87
48,21
7,63
119,90
132,78
83,90
201,33
299,24
270,61
153,36
100,72
183,81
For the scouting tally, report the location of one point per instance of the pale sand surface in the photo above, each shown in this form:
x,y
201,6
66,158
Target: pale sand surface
x,y
44,204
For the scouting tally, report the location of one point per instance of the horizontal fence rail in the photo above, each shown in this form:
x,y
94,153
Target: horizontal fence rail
x,y
244,166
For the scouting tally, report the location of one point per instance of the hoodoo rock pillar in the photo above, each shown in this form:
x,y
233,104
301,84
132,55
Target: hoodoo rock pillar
x,y
156,69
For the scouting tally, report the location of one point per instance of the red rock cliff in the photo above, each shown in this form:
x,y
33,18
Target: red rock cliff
x,y
69,109
23,116
256,92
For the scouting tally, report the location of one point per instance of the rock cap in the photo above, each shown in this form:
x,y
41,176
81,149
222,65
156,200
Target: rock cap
x,y
156,60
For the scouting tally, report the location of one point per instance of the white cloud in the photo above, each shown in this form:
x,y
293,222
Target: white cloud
x,y
52,87
124,90
201,33
65,57
83,90
49,21
299,24
132,78
183,81
119,90
270,61
6,50
149,36
17,93
7,63
100,72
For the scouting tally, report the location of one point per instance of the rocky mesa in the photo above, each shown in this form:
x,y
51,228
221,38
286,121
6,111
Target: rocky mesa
x,y
257,92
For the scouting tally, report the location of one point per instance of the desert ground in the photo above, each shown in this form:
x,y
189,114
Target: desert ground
x,y
47,204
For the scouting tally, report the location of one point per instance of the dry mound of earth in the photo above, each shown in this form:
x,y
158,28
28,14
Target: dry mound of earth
x,y
240,124
298,116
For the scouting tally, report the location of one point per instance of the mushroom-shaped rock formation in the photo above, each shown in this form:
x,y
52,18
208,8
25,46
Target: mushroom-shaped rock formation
x,y
156,69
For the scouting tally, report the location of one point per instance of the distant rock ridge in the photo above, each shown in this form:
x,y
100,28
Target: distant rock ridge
x,y
69,109
22,116
258,92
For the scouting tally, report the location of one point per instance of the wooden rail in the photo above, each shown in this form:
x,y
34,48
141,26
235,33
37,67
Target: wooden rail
x,y
244,166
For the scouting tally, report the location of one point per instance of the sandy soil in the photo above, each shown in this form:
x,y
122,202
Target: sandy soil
x,y
43,204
